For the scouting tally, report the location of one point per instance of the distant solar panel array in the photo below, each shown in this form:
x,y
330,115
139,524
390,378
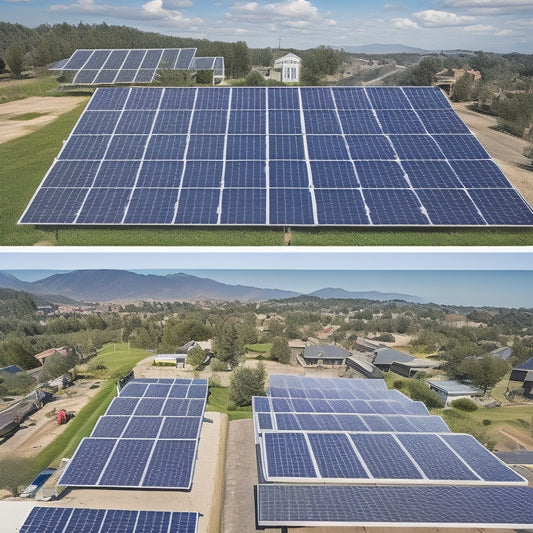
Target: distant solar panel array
x,y
349,468
113,66
216,64
275,156
67,520
147,438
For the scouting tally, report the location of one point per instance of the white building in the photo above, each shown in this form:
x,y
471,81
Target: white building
x,y
289,65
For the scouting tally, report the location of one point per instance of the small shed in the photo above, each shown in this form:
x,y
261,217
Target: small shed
x,y
289,65
366,369
384,357
43,356
325,354
409,368
524,374
452,390
176,359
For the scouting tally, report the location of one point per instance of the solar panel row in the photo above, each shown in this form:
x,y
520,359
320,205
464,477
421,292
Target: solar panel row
x,y
385,457
394,506
299,156
66,520
103,66
147,438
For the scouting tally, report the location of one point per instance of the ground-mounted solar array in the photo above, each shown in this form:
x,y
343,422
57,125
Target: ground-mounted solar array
x,y
394,506
147,438
352,468
113,66
85,520
274,156
216,64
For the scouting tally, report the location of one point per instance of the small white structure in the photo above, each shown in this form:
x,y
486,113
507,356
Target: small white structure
x,y
289,65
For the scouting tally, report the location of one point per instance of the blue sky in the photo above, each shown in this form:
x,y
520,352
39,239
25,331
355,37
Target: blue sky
x,y
490,25
491,277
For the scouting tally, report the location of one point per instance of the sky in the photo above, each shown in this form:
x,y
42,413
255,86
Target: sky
x,y
489,25
484,277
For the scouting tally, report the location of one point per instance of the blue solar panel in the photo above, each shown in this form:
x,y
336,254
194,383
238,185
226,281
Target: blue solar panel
x,y
86,520
261,404
180,427
122,406
185,58
197,390
143,427
157,390
377,423
77,60
47,520
171,465
485,464
127,464
384,457
149,407
178,390
334,456
264,421
450,206
398,140
288,456
87,463
381,175
442,506
110,426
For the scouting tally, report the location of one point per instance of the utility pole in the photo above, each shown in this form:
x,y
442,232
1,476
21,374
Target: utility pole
x,y
279,43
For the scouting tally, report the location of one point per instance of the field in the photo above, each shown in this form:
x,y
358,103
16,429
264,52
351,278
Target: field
x,y
20,175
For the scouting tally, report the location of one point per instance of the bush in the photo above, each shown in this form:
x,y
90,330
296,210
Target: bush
x,y
214,381
464,404
420,391
385,337
218,366
398,384
486,422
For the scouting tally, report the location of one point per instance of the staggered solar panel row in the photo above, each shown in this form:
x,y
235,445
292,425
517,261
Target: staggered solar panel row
x,y
285,156
292,384
347,422
384,457
71,520
147,438
394,506
114,66
368,476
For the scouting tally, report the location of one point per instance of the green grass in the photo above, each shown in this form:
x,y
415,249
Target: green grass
x,y
219,402
119,359
28,116
259,348
20,176
11,90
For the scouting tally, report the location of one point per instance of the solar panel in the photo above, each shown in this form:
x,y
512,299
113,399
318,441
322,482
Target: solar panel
x,y
62,519
392,506
333,156
106,66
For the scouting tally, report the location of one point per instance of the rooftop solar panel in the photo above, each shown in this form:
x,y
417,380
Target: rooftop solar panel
x,y
392,506
333,156
63,519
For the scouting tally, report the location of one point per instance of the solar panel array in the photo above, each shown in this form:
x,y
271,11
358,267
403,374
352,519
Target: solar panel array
x,y
114,66
147,438
68,520
275,156
216,64
365,468
394,506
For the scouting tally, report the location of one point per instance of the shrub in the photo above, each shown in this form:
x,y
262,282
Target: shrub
x,y
420,391
486,422
464,404
214,381
385,337
218,366
398,384
245,383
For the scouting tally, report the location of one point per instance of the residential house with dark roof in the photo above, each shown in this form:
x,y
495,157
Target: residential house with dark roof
x,y
384,357
329,354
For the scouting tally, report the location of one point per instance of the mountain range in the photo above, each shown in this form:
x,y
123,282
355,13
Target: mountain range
x,y
126,286
377,48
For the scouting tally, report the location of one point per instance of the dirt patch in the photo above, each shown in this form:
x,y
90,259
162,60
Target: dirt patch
x,y
48,107
511,439
40,429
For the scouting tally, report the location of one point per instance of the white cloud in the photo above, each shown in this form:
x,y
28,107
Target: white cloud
x,y
405,24
153,10
300,15
439,19
491,7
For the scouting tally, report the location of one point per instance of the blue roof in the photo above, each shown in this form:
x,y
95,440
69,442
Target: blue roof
x,y
12,369
528,365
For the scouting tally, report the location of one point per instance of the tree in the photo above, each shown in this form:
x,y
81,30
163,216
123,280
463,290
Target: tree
x,y
14,57
15,350
254,79
56,365
247,382
528,152
484,372
241,60
173,78
176,333
280,350
195,357
462,88
228,345
2,64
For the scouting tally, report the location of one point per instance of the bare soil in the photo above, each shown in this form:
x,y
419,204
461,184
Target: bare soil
x,y
49,107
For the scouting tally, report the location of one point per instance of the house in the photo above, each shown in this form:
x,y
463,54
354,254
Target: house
x,y
408,369
524,374
174,359
12,369
366,369
452,390
325,354
384,357
43,356
289,65
503,352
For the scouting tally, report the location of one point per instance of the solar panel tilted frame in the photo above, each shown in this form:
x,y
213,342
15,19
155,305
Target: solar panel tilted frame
x,y
326,179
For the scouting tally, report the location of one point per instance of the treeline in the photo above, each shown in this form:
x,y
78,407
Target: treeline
x,y
48,44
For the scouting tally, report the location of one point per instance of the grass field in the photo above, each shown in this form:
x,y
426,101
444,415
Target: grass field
x,y
25,161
